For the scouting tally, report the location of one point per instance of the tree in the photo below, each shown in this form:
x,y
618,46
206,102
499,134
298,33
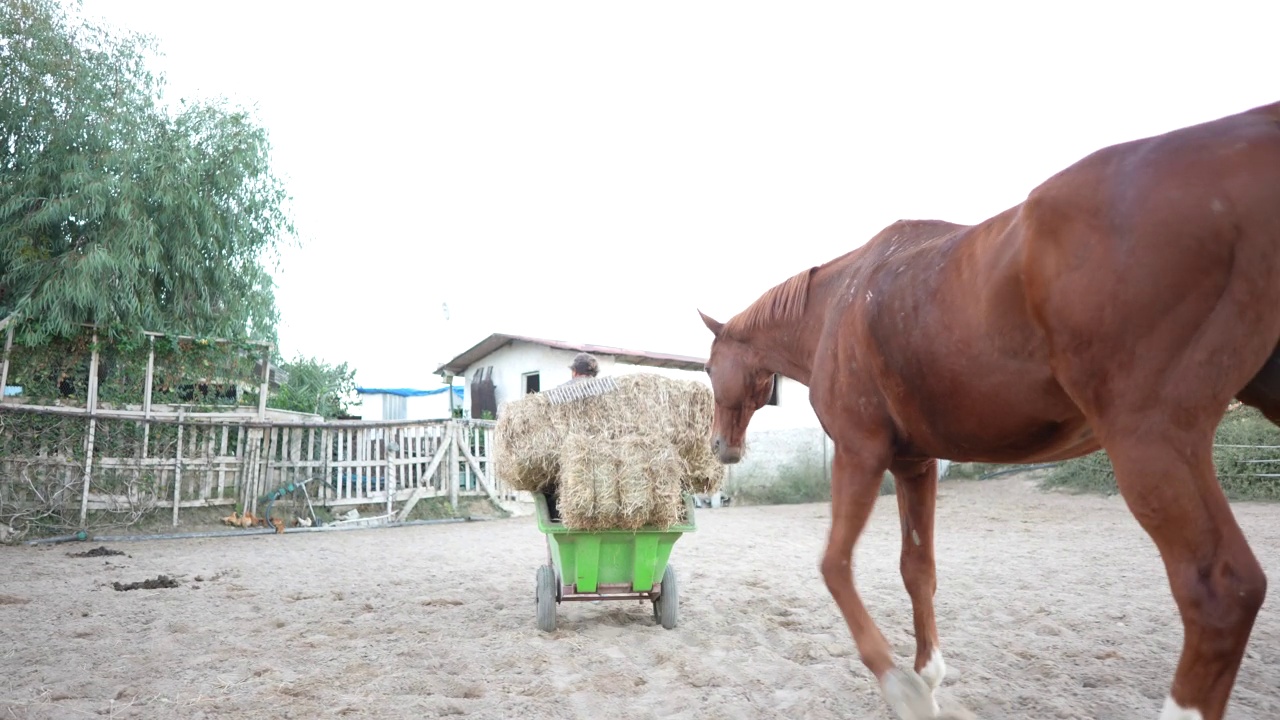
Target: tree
x,y
115,212
315,387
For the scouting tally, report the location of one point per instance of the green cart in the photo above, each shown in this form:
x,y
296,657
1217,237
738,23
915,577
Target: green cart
x,y
607,565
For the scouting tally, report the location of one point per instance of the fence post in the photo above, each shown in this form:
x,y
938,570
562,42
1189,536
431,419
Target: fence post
x,y
146,398
491,454
452,475
8,344
389,446
177,471
266,383
92,405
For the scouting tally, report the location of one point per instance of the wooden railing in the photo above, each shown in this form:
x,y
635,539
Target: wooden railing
x,y
121,460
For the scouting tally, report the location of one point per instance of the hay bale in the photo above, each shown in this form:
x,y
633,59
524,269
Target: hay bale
x,y
635,497
580,468
527,444
622,459
666,476
586,473
649,482
684,410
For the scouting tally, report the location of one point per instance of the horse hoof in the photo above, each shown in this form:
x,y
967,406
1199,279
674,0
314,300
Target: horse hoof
x,y
909,695
935,670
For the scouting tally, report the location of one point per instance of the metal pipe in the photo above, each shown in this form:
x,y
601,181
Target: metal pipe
x,y
1017,468
80,535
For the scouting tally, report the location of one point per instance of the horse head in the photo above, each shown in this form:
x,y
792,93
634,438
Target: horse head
x,y
740,384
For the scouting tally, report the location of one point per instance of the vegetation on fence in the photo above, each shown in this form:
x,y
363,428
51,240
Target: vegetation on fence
x,y
793,482
797,481
140,468
316,387
42,461
1246,454
201,373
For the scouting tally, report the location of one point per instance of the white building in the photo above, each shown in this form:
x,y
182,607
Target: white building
x,y
783,436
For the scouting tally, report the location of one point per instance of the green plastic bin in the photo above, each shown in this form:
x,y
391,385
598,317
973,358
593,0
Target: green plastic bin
x,y
608,565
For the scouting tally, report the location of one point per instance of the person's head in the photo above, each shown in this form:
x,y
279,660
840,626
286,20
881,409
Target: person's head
x,y
584,365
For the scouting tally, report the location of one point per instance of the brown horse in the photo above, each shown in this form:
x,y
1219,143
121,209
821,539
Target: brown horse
x,y
1121,306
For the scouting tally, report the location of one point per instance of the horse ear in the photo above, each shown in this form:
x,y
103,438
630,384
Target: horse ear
x,y
712,325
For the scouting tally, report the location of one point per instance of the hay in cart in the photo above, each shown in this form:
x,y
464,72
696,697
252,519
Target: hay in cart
x,y
620,459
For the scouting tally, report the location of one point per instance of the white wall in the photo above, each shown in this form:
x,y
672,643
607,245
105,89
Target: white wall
x,y
425,407
779,439
783,438
511,362
792,411
772,454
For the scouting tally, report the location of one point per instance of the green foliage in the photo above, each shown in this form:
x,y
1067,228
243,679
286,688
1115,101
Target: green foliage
x,y
1242,471
193,372
315,387
114,212
797,481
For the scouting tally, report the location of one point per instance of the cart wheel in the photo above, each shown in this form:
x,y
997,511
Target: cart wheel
x,y
547,598
667,606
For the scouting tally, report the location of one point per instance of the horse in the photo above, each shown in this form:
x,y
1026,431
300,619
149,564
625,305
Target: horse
x,y
1121,306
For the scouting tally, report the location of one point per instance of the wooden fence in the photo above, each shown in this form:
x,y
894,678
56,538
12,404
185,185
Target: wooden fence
x,y
68,459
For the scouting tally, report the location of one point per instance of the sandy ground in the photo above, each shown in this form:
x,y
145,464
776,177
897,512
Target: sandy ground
x,y
1050,606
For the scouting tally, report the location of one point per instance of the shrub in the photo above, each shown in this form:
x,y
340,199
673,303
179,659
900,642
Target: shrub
x,y
1246,453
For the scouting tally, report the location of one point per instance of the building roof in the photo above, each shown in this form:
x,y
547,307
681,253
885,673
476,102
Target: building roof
x,y
496,341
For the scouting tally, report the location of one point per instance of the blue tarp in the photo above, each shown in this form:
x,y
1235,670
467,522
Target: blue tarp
x,y
409,392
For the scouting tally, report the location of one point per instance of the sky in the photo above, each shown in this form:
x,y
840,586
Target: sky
x,y
598,172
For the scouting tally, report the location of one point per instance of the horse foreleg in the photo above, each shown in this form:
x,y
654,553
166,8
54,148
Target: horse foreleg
x,y
917,490
855,484
1171,487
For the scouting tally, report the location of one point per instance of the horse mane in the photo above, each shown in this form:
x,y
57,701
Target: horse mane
x,y
782,302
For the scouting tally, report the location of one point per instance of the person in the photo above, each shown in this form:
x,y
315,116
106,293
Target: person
x,y
584,366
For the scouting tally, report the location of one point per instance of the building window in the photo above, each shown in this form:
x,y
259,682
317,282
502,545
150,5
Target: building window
x,y
532,383
773,396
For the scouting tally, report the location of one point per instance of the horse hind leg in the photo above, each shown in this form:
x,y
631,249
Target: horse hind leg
x,y
917,492
1167,478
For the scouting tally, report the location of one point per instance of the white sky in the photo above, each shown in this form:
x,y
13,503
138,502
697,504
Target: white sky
x,y
515,159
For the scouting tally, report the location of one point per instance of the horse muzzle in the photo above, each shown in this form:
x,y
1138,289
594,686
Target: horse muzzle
x,y
726,453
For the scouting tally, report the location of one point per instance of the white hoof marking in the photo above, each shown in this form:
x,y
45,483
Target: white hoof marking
x,y
935,670
1174,711
909,695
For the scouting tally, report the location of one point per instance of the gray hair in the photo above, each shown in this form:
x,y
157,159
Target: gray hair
x,y
585,364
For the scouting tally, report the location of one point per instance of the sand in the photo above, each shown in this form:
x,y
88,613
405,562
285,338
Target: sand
x,y
1050,606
